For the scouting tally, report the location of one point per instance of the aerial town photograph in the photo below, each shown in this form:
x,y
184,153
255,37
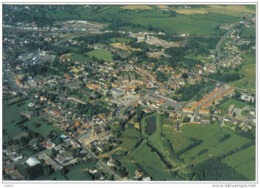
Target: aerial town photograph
x,y
129,92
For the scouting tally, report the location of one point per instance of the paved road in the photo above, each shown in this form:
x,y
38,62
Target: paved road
x,y
102,165
218,46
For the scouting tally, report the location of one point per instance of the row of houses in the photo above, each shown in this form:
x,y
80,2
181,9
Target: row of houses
x,y
215,96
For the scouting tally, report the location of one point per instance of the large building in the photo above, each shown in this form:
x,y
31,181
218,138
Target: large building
x,y
32,161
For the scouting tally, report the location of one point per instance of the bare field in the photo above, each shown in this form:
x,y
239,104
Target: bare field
x,y
191,11
162,6
228,10
136,7
157,55
125,47
159,42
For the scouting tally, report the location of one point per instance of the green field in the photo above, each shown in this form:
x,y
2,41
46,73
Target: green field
x,y
233,10
101,54
54,176
243,162
199,24
245,112
119,40
11,115
129,164
248,70
249,32
43,130
77,57
202,21
239,104
152,164
129,138
212,145
76,172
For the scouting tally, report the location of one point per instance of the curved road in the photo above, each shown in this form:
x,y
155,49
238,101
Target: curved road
x,y
218,46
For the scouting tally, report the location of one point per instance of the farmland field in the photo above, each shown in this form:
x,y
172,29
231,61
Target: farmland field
x,y
129,138
135,7
243,162
227,10
152,164
101,54
195,20
211,135
194,24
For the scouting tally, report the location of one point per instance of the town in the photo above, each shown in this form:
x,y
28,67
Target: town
x,y
92,97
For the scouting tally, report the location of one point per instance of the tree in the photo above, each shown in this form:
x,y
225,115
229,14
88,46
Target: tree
x,y
184,76
47,170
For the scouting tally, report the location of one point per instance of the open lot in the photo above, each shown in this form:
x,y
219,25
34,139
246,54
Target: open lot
x,y
125,47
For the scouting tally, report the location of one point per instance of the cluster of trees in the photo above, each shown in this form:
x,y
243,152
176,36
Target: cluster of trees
x,y
117,129
214,170
23,120
161,76
153,28
223,138
177,54
92,109
35,70
224,77
202,151
189,91
54,135
100,38
30,173
119,168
